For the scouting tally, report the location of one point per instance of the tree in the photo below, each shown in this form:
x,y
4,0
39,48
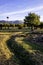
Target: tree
x,y
1,25
32,19
41,25
7,18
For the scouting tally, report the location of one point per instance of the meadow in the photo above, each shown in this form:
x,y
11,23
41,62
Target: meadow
x,y
15,49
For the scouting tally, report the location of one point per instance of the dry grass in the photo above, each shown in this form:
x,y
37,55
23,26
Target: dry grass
x,y
19,50
23,44
4,51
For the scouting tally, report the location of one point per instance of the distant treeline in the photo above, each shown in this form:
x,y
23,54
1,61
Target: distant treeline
x,y
10,26
20,26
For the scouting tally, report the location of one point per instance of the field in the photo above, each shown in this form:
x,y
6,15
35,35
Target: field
x,y
15,49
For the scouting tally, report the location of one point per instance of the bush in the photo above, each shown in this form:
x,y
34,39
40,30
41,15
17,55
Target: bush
x,y
19,27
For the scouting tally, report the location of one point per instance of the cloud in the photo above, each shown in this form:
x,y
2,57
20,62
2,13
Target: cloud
x,y
35,9
17,14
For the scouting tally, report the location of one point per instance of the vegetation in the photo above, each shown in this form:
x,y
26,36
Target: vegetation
x,y
16,42
41,25
17,50
32,20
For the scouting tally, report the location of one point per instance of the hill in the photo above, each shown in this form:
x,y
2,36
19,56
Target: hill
x,y
12,22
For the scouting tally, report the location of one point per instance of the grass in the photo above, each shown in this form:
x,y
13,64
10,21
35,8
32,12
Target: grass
x,y
16,50
29,46
19,51
3,47
34,46
23,44
24,50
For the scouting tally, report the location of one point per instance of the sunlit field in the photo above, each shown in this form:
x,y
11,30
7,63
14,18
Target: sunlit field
x,y
15,49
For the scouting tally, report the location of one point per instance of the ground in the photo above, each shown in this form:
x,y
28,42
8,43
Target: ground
x,y
15,49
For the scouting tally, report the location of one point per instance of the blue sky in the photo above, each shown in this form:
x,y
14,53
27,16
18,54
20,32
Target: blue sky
x,y
18,9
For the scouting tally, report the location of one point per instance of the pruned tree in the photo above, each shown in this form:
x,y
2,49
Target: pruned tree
x,y
7,18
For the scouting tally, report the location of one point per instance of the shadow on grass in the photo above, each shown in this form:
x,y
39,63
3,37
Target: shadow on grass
x,y
24,57
34,45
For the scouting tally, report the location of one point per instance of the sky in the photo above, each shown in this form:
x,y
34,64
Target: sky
x,y
18,9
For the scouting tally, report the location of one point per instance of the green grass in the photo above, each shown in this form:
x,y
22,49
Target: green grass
x,y
34,46
28,46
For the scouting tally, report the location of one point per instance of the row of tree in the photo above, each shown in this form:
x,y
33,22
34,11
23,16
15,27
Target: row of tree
x,y
10,26
6,26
